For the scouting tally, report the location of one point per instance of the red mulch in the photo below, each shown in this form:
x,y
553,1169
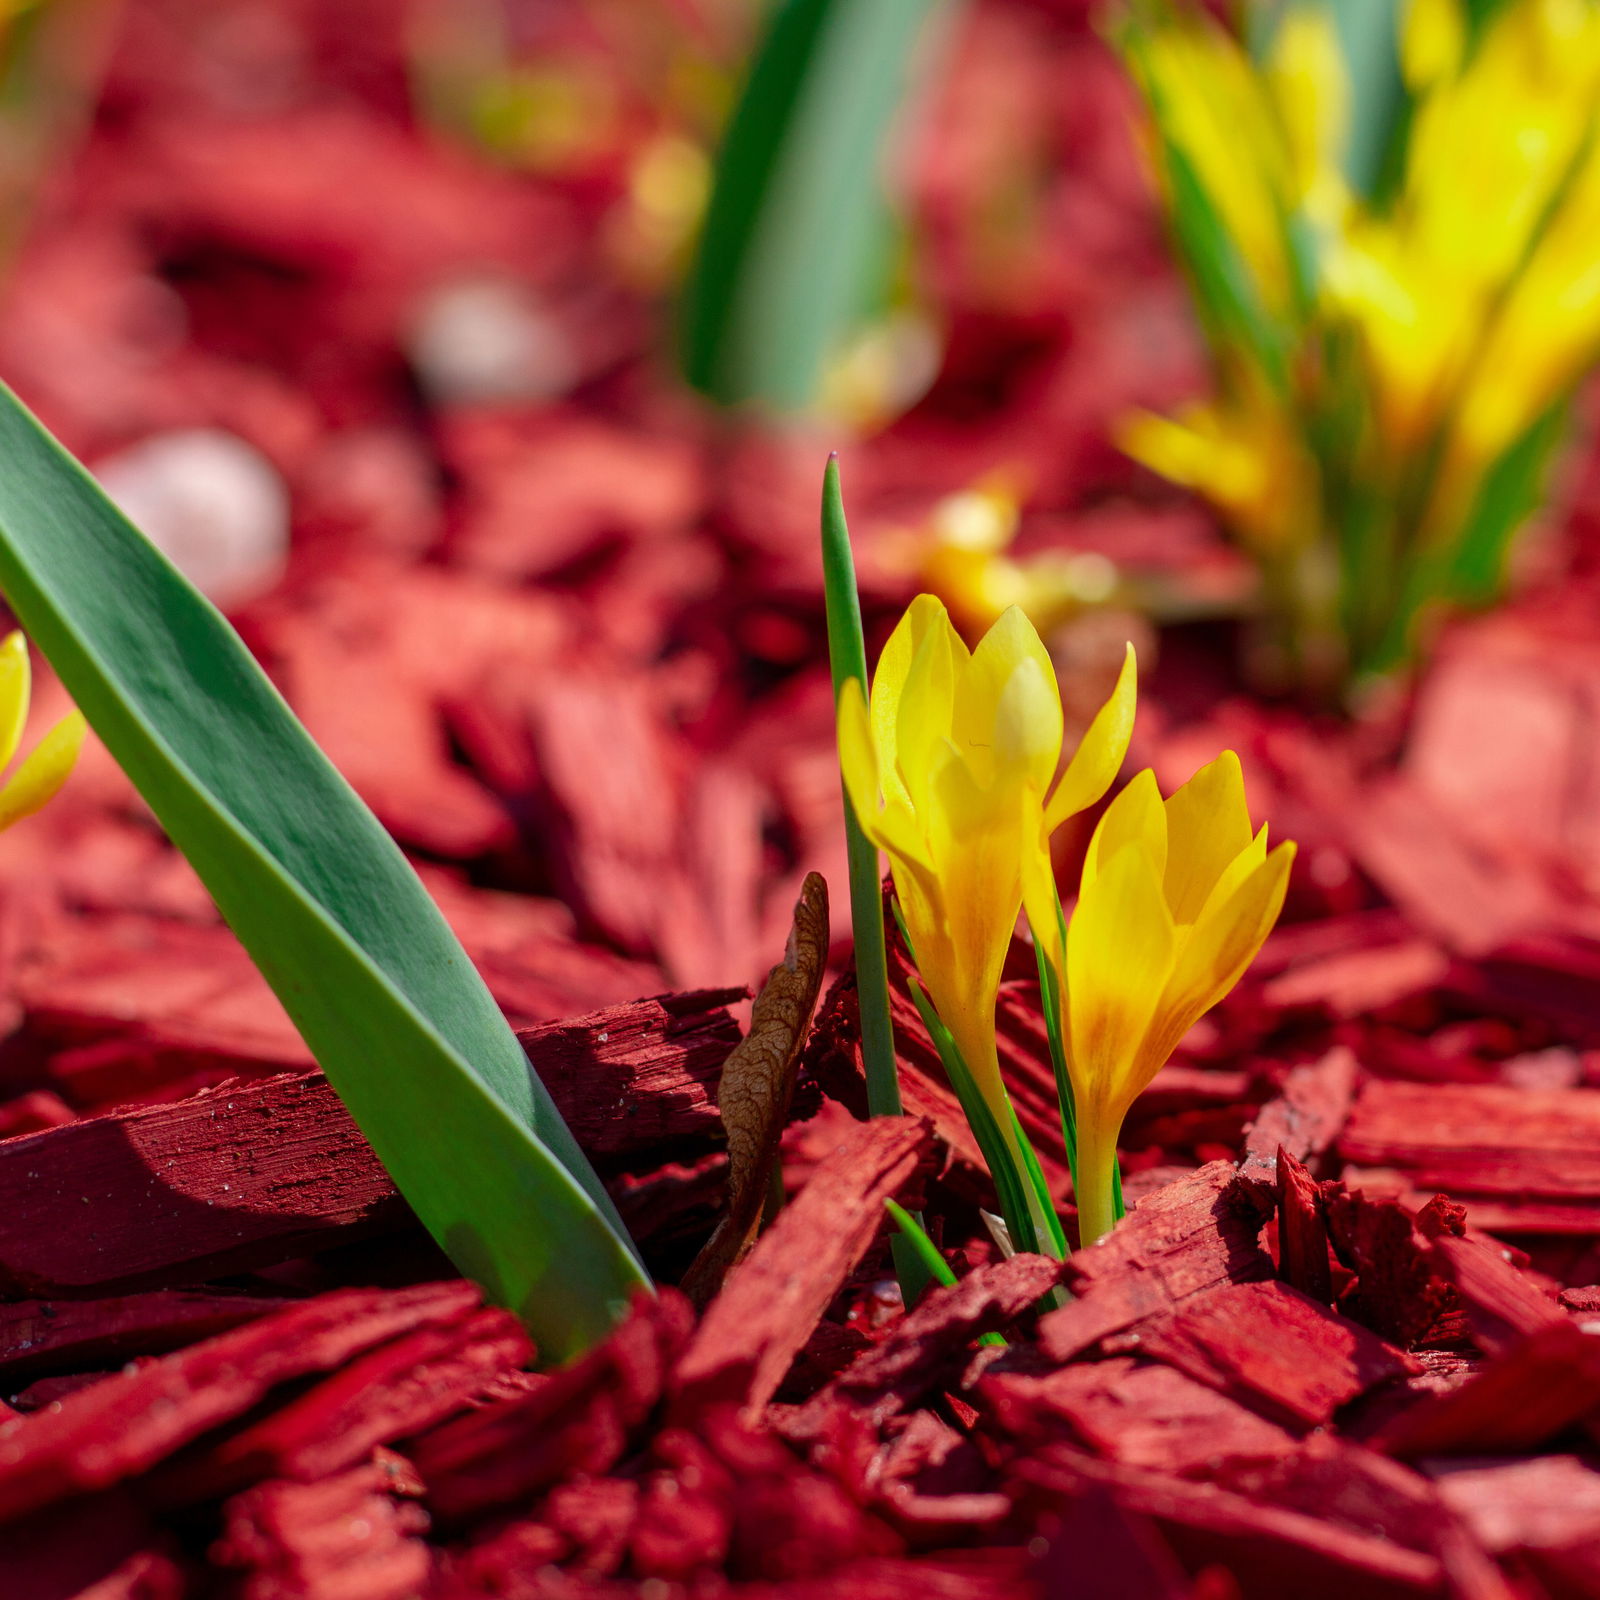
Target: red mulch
x,y
570,648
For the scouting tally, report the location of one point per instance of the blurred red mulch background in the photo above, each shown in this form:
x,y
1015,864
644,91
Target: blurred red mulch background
x,y
569,646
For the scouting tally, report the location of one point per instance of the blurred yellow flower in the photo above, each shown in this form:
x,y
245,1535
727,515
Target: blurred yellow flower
x,y
1176,898
1379,357
46,767
949,771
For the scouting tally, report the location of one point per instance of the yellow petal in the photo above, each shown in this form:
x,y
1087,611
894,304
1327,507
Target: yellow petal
x,y
39,777
15,689
1135,817
1039,900
1208,826
1098,758
923,616
925,708
1008,702
1212,959
1120,949
1432,40
891,827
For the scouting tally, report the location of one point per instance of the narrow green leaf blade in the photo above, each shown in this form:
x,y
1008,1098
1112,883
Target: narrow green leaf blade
x,y
319,895
797,210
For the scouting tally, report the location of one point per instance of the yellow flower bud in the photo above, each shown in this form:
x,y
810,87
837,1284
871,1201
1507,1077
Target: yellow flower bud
x,y
37,779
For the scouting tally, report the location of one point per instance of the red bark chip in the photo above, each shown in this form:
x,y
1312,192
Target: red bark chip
x,y
772,1300
53,1335
1544,1501
343,1538
1398,1292
1270,1551
390,1393
580,1421
187,1190
1181,1241
101,1547
126,1423
1306,1116
1140,1413
1529,1393
1098,1550
1302,1233
1490,1139
890,1376
1275,1350
633,1077
1502,1304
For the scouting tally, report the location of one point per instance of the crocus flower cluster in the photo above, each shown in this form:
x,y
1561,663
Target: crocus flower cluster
x,y
1399,303
951,769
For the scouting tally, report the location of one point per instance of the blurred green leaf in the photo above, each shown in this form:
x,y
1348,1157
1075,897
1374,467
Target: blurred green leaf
x,y
798,213
319,895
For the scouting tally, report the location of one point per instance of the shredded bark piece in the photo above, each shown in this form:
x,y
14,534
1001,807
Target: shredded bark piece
x,y
580,1420
1268,1549
757,1086
47,1335
127,1423
388,1394
1528,1393
1274,1349
342,1538
1502,1304
1302,1233
755,1327
910,1361
1306,1116
1194,1235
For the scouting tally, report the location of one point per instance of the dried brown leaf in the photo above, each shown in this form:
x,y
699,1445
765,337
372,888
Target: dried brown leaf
x,y
757,1085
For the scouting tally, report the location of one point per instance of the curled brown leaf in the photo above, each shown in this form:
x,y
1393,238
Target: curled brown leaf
x,y
757,1085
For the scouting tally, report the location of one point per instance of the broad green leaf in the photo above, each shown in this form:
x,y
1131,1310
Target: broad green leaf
x,y
319,895
798,211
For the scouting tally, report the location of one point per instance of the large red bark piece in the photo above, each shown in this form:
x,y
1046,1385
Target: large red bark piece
x,y
128,1423
899,1371
39,1336
1141,1413
1275,1349
388,1394
1482,1139
1305,1117
232,1177
771,1302
580,1420
1193,1236
344,1538
177,1193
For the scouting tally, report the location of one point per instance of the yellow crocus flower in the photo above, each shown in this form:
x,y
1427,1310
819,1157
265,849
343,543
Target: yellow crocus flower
x,y
949,772
1177,896
46,767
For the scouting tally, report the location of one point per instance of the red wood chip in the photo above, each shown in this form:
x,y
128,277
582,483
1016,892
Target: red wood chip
x,y
1532,1391
580,1420
1502,1303
907,1364
1141,1413
127,1423
46,1335
772,1300
1486,1139
1181,1241
1274,1349
344,1538
1306,1116
187,1190
388,1394
1302,1233
1270,1551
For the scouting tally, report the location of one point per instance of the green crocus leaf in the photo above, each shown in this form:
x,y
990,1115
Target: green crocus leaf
x,y
319,895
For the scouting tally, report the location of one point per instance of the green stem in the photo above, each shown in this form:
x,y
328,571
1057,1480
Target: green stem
x,y
847,655
1097,1178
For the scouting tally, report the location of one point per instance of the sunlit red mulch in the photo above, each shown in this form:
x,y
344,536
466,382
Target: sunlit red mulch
x,y
570,649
